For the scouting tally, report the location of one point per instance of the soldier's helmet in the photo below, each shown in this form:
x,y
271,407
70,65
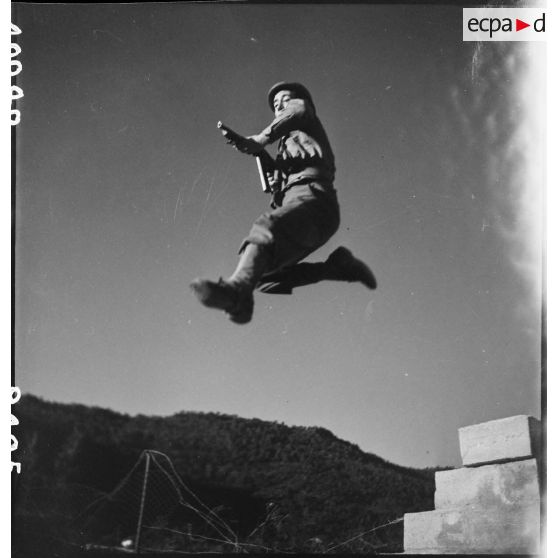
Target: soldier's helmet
x,y
293,86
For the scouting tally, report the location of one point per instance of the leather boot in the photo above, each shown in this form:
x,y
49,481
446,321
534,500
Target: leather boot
x,y
235,294
223,295
341,265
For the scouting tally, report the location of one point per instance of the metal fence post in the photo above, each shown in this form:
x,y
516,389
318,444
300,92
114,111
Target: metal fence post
x,y
142,503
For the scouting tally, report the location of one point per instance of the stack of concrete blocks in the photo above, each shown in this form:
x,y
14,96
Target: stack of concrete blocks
x,y
492,504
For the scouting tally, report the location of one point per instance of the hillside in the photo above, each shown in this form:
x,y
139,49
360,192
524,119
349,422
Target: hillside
x,y
315,490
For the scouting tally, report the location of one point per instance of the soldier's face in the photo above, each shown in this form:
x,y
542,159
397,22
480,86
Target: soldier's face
x,y
281,99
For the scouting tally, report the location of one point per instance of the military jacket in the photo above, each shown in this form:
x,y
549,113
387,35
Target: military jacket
x,y
304,151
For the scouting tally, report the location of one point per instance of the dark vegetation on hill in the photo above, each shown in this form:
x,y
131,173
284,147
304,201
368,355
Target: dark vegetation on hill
x,y
277,487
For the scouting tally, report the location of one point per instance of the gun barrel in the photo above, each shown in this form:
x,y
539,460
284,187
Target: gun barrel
x,y
225,129
228,133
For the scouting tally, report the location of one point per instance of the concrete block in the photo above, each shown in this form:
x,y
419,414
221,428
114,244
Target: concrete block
x,y
500,440
466,531
488,486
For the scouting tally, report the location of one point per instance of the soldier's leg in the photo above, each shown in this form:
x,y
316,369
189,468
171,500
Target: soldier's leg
x,y
341,265
277,238
253,262
235,294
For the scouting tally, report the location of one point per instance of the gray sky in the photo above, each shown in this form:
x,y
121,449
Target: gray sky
x,y
126,192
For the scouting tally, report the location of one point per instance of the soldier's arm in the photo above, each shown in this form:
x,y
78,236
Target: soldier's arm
x,y
244,144
295,113
249,145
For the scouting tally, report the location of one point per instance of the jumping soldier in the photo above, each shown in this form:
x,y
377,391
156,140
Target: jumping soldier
x,y
304,216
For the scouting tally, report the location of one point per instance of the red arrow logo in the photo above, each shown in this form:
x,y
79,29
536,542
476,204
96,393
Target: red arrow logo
x,y
519,25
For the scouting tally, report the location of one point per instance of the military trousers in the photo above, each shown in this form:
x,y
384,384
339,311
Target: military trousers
x,y
307,218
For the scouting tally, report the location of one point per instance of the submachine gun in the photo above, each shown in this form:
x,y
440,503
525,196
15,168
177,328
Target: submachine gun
x,y
270,175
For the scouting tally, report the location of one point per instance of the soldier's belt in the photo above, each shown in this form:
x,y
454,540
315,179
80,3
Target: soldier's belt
x,y
309,173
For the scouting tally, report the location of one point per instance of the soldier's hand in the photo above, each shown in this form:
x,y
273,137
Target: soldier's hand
x,y
242,144
247,145
274,179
